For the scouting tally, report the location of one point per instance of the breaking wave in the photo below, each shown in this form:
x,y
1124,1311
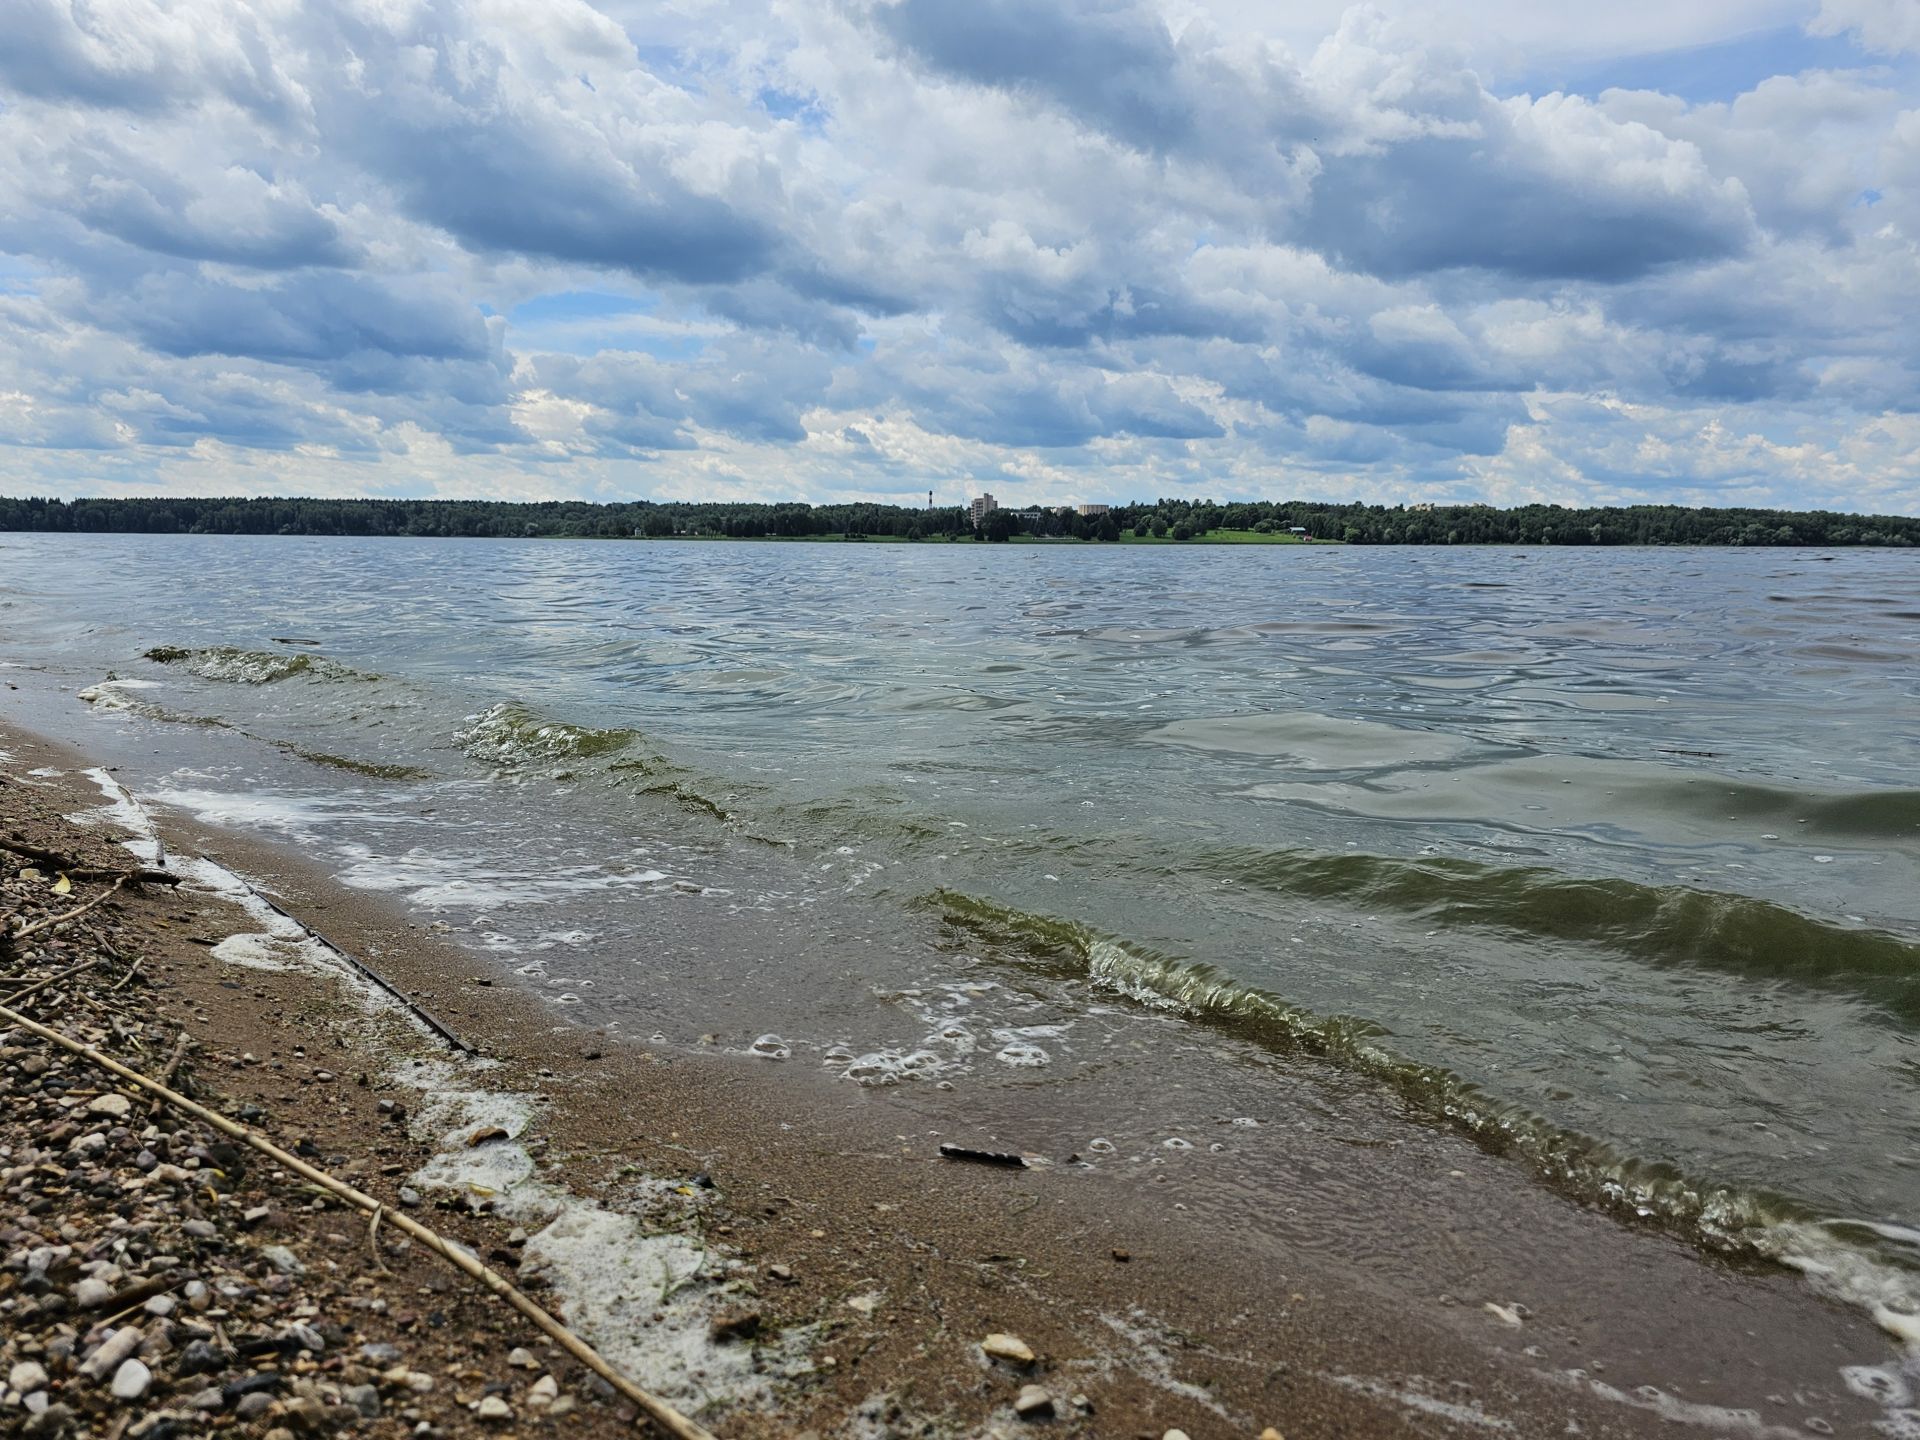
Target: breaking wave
x,y
510,735
253,667
1862,1265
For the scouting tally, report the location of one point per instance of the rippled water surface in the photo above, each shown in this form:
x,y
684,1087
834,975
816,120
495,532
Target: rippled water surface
x,y
1607,855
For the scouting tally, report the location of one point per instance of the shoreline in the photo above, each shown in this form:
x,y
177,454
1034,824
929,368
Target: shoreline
x,y
895,1263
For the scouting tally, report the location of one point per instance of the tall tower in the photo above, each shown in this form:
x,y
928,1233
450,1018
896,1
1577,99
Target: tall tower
x,y
929,499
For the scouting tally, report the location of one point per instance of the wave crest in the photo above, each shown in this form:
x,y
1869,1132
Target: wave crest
x,y
233,665
510,735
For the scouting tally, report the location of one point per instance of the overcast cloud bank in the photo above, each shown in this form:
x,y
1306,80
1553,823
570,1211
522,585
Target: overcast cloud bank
x,y
1064,249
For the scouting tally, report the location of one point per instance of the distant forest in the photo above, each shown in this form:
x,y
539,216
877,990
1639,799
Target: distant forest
x,y
1162,522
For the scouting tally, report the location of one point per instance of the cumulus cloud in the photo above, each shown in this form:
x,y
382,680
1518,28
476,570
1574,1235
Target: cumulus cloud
x,y
1889,26
1093,248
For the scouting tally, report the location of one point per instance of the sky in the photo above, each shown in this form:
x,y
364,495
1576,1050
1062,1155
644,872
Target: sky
x,y
1509,251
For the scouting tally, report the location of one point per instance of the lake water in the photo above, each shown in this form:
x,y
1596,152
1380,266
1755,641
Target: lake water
x,y
1609,857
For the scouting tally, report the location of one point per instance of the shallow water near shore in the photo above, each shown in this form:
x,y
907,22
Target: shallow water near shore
x,y
1607,858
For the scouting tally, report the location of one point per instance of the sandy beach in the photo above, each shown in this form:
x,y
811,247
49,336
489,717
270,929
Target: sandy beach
x,y
781,1255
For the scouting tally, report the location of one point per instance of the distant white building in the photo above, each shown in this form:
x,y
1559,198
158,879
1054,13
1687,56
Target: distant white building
x,y
980,507
1095,509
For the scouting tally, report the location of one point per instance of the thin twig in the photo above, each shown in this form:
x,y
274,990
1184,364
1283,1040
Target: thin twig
x,y
135,970
145,1293
373,1239
38,986
73,914
659,1411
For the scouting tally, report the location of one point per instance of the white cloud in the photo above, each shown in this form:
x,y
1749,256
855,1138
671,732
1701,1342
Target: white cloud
x,y
1103,246
1889,26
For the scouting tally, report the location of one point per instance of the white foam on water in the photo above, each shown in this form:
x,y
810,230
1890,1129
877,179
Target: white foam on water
x,y
1151,1361
1675,1411
296,816
1406,1394
436,880
279,943
1022,1055
894,1066
112,694
645,1300
1879,1383
254,952
1844,1272
645,1297
123,812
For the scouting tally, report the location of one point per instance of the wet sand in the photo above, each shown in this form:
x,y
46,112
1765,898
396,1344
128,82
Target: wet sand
x,y
1395,1280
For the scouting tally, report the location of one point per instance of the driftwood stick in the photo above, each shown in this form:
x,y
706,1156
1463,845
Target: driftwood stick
x,y
413,1007
180,1049
81,871
662,1414
73,914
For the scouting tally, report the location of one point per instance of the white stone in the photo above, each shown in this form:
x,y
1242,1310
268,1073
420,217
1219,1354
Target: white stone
x,y
131,1380
544,1392
27,1376
115,1105
492,1407
1032,1402
1007,1347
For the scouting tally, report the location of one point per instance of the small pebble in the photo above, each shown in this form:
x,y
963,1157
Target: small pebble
x,y
283,1260
1032,1403
131,1380
1007,1347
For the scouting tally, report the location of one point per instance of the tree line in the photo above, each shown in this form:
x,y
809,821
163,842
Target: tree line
x,y
1165,520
